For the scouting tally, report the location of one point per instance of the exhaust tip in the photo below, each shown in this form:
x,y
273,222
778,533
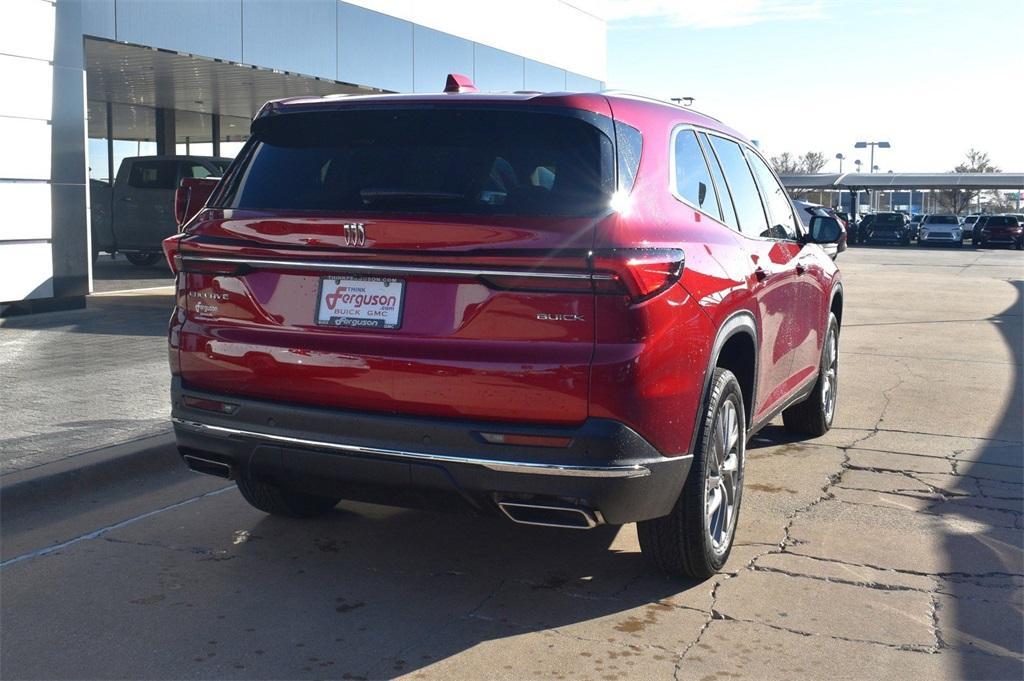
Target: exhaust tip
x,y
209,467
566,517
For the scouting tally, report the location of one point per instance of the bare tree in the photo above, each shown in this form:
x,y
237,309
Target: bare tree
x,y
957,201
805,164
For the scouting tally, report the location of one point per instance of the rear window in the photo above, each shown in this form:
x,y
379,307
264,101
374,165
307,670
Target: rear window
x,y
154,175
443,160
1002,221
943,219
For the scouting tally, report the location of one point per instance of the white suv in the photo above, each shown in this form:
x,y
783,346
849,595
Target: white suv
x,y
941,229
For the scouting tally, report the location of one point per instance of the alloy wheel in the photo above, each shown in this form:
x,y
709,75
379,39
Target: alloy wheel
x,y
828,382
724,477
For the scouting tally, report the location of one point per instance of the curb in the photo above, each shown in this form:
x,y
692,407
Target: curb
x,y
119,464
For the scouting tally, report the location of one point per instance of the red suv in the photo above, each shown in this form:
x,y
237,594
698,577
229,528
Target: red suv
x,y
570,309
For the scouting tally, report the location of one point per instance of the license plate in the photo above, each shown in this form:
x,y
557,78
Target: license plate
x,y
364,302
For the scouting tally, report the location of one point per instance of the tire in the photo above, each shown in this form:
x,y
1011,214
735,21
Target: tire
x,y
279,501
814,415
142,259
689,542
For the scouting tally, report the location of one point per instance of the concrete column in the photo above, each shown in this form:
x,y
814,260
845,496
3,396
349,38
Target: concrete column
x,y
165,132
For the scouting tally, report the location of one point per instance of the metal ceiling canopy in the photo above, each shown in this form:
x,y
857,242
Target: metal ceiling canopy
x,y
899,181
144,78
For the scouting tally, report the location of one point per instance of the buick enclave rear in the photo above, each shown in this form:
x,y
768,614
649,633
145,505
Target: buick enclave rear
x,y
567,309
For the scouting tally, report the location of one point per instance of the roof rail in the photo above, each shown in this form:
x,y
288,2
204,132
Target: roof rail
x,y
635,95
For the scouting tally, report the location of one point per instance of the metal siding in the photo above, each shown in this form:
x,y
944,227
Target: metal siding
x,y
374,49
26,145
210,29
497,70
32,79
300,36
27,28
27,271
574,82
544,78
26,211
437,54
67,160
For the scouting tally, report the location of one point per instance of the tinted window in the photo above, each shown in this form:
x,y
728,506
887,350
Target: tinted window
x,y
970,219
425,160
629,143
692,177
776,201
724,195
1002,221
744,192
889,220
154,175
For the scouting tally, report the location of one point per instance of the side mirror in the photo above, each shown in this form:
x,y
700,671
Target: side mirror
x,y
828,233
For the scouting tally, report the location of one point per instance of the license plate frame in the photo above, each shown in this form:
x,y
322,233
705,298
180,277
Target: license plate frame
x,y
391,318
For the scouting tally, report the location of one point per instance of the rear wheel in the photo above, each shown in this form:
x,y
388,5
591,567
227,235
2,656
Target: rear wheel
x,y
814,415
142,259
695,538
279,501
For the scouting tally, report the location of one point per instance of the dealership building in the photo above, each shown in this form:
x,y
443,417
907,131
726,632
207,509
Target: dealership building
x,y
89,82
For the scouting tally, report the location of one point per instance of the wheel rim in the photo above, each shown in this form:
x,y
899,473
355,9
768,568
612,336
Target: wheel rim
x,y
828,383
724,477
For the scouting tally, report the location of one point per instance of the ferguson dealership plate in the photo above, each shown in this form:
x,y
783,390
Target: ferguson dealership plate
x,y
364,302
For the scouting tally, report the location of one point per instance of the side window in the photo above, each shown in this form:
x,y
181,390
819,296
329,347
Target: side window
x,y
691,176
194,170
154,175
724,195
745,197
630,145
776,201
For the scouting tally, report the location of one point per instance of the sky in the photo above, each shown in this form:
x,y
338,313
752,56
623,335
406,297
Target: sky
x,y
933,78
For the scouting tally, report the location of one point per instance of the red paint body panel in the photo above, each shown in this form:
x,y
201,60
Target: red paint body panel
x,y
471,348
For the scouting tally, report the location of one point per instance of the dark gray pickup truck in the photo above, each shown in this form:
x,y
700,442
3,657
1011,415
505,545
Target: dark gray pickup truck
x,y
135,215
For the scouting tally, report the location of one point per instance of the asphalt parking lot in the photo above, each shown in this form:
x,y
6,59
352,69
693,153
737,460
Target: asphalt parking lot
x,y
891,548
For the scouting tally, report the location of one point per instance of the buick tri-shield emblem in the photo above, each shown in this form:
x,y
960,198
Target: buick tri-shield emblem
x,y
355,234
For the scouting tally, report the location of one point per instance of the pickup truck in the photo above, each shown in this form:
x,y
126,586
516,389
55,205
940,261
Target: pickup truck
x,y
137,213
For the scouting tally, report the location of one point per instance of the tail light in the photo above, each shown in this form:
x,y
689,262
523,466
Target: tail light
x,y
172,247
640,273
181,196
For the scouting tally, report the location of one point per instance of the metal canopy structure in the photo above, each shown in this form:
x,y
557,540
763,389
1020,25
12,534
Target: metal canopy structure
x,y
904,181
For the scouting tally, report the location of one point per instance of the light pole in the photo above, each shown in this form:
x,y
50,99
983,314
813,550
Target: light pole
x,y
841,159
880,145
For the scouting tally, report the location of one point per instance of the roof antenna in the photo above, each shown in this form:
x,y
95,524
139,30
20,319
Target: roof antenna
x,y
459,83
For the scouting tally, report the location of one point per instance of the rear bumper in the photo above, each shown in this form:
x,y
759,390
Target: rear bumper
x,y
607,468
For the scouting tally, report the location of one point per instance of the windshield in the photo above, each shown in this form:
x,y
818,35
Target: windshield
x,y
888,220
448,160
943,220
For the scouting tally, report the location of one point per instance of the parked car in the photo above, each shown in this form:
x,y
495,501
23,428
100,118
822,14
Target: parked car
x,y
914,226
863,226
968,223
889,228
495,301
806,211
136,214
1001,229
941,229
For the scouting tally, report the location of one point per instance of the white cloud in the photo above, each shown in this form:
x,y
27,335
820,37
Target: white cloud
x,y
705,13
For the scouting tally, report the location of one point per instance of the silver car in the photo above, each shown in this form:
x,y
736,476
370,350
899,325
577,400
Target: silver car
x,y
941,229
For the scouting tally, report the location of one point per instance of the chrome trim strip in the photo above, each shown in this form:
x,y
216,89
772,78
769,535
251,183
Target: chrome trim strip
x,y
632,471
360,268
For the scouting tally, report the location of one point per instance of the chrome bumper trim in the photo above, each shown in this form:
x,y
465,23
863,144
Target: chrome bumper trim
x,y
363,268
632,471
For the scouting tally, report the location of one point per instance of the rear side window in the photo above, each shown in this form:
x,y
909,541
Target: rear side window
x,y
195,170
745,197
724,195
776,201
154,175
444,160
629,143
1002,221
691,175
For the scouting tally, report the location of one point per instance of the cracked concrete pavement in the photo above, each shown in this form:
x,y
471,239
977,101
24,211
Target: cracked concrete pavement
x,y
891,548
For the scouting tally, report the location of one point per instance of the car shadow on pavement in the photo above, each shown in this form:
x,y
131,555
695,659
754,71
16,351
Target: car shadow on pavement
x,y
983,542
128,314
372,592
